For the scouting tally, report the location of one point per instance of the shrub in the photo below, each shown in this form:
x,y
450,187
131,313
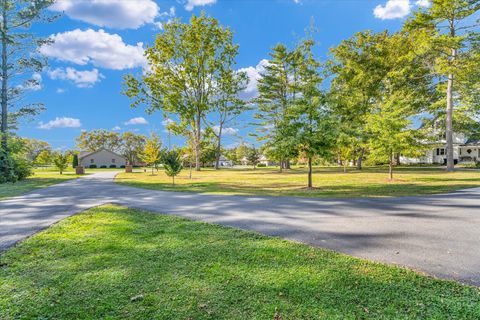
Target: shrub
x,y
13,170
261,165
93,166
103,167
23,168
113,166
75,161
122,166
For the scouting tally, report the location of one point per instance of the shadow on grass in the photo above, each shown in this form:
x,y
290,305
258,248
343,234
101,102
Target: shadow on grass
x,y
113,262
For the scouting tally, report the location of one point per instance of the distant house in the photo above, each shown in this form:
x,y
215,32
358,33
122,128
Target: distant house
x,y
263,160
464,150
267,162
102,158
224,162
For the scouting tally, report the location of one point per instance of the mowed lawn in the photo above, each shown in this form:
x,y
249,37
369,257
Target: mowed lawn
x,y
37,181
112,262
328,182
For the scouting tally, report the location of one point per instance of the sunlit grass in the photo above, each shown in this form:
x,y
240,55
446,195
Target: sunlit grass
x,y
328,182
116,263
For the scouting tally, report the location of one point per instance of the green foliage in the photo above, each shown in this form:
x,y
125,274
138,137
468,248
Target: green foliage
x,y
20,61
192,71
152,151
75,160
44,158
132,146
253,156
12,168
172,163
61,161
97,139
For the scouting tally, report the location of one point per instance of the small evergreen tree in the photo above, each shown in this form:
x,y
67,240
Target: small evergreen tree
x,y
7,168
75,160
61,161
172,163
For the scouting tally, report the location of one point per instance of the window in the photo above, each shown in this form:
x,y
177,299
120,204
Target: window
x,y
92,161
440,151
113,160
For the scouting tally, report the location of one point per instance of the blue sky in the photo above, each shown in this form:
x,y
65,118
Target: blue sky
x,y
99,41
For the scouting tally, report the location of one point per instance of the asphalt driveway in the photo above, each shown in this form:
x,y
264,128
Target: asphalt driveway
x,y
439,235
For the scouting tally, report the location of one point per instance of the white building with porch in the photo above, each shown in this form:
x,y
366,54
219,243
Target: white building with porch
x,y
464,151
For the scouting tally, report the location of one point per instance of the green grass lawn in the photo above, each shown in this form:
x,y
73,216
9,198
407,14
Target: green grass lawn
x,y
37,181
117,263
329,182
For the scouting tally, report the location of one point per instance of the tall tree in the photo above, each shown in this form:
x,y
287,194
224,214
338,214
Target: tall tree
x,y
278,92
227,104
405,93
452,26
312,123
20,61
98,139
356,67
186,63
132,146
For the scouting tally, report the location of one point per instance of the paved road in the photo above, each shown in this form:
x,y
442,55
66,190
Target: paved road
x,y
439,235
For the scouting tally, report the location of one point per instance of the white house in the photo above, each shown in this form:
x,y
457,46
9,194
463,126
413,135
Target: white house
x,y
102,158
464,150
224,162
263,160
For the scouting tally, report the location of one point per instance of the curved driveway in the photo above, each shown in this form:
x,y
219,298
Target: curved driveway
x,y
439,234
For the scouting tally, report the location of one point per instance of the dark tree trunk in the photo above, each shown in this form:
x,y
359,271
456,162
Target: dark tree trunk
x,y
219,145
360,159
390,167
310,184
198,138
4,102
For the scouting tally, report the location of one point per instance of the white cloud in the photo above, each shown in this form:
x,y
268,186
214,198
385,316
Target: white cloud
x,y
99,48
116,128
165,17
60,90
82,79
138,120
423,3
393,9
253,74
225,131
63,122
167,122
121,14
198,3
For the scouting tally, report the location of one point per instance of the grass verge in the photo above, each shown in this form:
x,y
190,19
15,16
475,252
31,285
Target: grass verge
x,y
37,181
117,263
328,182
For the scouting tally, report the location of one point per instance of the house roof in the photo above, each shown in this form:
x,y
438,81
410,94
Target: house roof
x,y
84,154
472,142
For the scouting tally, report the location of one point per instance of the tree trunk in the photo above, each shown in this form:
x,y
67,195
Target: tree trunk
x,y
198,137
153,167
281,166
360,159
345,166
190,170
390,167
449,124
287,164
219,145
4,102
310,184
173,180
